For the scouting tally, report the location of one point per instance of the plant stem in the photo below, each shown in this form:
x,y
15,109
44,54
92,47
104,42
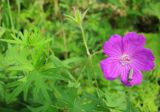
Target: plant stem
x,y
89,55
84,40
10,14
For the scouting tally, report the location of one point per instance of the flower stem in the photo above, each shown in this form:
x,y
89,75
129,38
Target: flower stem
x,y
84,40
89,55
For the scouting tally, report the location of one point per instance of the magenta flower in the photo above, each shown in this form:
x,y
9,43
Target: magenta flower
x,y
127,58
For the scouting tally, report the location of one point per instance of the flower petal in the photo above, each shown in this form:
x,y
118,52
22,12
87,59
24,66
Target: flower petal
x,y
113,46
133,41
136,79
143,59
111,68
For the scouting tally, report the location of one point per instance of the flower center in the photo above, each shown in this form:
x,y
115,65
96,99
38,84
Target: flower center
x,y
124,60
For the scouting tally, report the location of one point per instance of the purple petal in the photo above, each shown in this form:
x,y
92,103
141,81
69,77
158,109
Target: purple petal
x,y
111,68
136,79
143,59
113,47
133,41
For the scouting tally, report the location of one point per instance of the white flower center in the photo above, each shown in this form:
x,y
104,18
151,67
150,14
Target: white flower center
x,y
125,60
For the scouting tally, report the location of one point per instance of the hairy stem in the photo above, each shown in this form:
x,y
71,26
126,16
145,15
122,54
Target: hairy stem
x,y
89,55
84,40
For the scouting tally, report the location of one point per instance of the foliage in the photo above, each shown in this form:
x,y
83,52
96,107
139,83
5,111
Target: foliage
x,y
50,52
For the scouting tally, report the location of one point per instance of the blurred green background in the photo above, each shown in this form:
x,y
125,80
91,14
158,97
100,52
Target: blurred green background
x,y
44,66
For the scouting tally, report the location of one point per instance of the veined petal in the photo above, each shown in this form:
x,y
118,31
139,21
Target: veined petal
x,y
136,77
111,68
133,41
143,59
113,46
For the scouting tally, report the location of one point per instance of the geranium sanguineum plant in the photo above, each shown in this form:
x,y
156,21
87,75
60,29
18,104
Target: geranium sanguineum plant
x,y
127,57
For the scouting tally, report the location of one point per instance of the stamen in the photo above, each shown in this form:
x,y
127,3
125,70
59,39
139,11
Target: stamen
x,y
124,60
